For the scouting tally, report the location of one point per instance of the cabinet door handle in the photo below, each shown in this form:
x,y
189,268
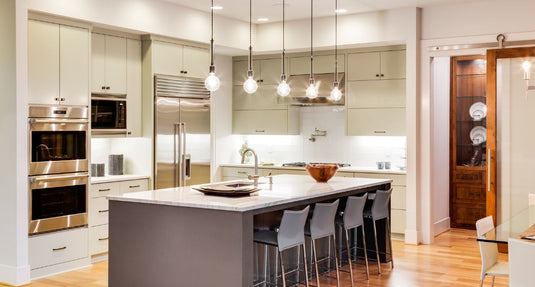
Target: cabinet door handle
x,y
242,172
379,132
129,133
377,75
108,87
382,75
260,131
62,99
103,211
104,190
488,169
59,249
103,239
103,87
134,186
185,72
56,99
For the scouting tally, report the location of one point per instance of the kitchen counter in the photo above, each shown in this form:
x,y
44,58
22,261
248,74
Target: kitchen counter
x,y
113,178
179,234
342,169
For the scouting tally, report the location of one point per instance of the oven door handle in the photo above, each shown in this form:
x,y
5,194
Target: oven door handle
x,y
58,177
58,121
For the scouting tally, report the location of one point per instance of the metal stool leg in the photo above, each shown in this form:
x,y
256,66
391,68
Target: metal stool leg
x,y
390,237
365,252
336,261
277,266
265,264
376,247
349,257
305,263
316,263
282,270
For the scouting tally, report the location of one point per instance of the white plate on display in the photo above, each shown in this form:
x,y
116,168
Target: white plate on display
x,y
478,135
478,111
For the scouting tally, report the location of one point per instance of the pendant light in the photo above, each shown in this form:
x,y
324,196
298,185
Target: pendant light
x,y
283,89
336,94
212,82
312,91
250,86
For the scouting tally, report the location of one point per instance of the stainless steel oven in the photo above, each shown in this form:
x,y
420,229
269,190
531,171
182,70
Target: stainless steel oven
x,y
58,139
108,114
58,201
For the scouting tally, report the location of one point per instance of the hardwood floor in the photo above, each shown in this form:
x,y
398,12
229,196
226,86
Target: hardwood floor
x,y
453,260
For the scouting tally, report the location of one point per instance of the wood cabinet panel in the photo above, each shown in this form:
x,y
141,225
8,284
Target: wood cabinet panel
x,y
469,193
469,176
133,87
393,65
322,64
57,247
376,94
364,66
265,122
398,220
98,211
98,239
98,62
74,65
166,58
465,215
265,98
115,65
376,122
196,62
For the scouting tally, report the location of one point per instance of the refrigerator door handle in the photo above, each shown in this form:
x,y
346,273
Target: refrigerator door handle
x,y
184,168
187,164
176,155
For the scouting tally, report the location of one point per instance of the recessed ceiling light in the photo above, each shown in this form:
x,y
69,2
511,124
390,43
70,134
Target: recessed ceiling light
x,y
217,7
340,11
263,19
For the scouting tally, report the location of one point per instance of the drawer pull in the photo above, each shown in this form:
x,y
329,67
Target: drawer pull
x,y
379,132
59,249
103,211
103,239
242,172
104,190
134,186
260,131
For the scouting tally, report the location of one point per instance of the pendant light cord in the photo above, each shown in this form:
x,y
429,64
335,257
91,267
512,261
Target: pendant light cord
x,y
336,41
250,35
311,40
283,36
212,36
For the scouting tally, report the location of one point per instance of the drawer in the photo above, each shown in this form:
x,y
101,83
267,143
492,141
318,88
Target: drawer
x,y
398,179
134,185
58,247
468,213
469,176
469,193
98,211
398,221
104,189
399,197
98,239
238,172
344,174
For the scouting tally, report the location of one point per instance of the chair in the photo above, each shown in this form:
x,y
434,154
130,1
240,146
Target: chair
x,y
489,253
352,217
380,210
321,226
290,234
522,260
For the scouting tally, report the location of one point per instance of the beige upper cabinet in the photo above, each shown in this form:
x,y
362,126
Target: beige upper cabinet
x,y
266,71
376,122
179,60
265,98
322,64
239,71
43,62
108,58
133,80
58,64
376,94
376,65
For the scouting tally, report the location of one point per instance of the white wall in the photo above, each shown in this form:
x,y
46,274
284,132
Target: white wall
x,y
14,268
154,17
136,152
441,144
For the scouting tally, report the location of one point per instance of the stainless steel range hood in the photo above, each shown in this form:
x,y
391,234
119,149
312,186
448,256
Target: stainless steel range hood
x,y
299,84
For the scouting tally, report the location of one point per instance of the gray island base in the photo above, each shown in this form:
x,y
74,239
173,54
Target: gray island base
x,y
181,237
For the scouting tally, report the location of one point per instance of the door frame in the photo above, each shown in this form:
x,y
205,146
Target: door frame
x,y
493,55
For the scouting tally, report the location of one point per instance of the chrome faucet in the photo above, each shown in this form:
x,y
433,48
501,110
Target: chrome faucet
x,y
255,176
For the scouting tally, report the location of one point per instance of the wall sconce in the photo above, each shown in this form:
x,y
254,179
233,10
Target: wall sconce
x,y
526,65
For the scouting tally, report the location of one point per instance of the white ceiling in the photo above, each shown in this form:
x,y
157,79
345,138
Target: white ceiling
x,y
300,9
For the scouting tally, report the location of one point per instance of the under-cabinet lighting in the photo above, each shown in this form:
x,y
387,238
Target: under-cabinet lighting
x,y
340,11
217,7
263,19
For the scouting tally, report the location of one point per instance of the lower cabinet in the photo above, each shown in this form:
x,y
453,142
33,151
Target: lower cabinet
x,y
99,210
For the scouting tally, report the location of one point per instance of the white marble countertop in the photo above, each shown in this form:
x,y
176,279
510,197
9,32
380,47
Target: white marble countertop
x,y
285,189
113,178
342,169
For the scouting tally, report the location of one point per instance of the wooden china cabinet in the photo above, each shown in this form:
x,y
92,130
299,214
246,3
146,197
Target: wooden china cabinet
x,y
467,144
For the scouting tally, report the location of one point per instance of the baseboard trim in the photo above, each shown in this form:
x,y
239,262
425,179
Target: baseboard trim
x,y
411,236
441,226
60,268
14,276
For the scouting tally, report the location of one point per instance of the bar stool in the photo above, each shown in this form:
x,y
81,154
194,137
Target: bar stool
x,y
380,210
352,217
321,226
290,234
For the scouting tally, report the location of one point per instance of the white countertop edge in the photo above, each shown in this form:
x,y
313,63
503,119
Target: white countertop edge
x,y
342,169
235,209
114,178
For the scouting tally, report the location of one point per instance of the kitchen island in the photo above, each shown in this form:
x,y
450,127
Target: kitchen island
x,y
181,237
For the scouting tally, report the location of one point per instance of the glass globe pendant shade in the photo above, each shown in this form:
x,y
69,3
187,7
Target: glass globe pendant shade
x,y
336,94
283,89
250,86
212,82
312,91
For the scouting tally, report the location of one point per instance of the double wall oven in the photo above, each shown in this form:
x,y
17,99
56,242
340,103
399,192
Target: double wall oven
x,y
58,168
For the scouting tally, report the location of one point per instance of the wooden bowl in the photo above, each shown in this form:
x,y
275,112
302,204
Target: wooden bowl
x,y
322,172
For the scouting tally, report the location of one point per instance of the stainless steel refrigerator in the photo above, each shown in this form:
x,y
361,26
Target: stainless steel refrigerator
x,y
181,114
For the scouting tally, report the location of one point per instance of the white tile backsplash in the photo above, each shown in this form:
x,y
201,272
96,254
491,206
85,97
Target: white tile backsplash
x,y
136,151
334,147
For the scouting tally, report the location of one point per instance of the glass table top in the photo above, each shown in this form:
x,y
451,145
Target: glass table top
x,y
511,228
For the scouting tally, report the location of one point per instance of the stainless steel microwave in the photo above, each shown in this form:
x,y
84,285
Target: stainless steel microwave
x,y
108,114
